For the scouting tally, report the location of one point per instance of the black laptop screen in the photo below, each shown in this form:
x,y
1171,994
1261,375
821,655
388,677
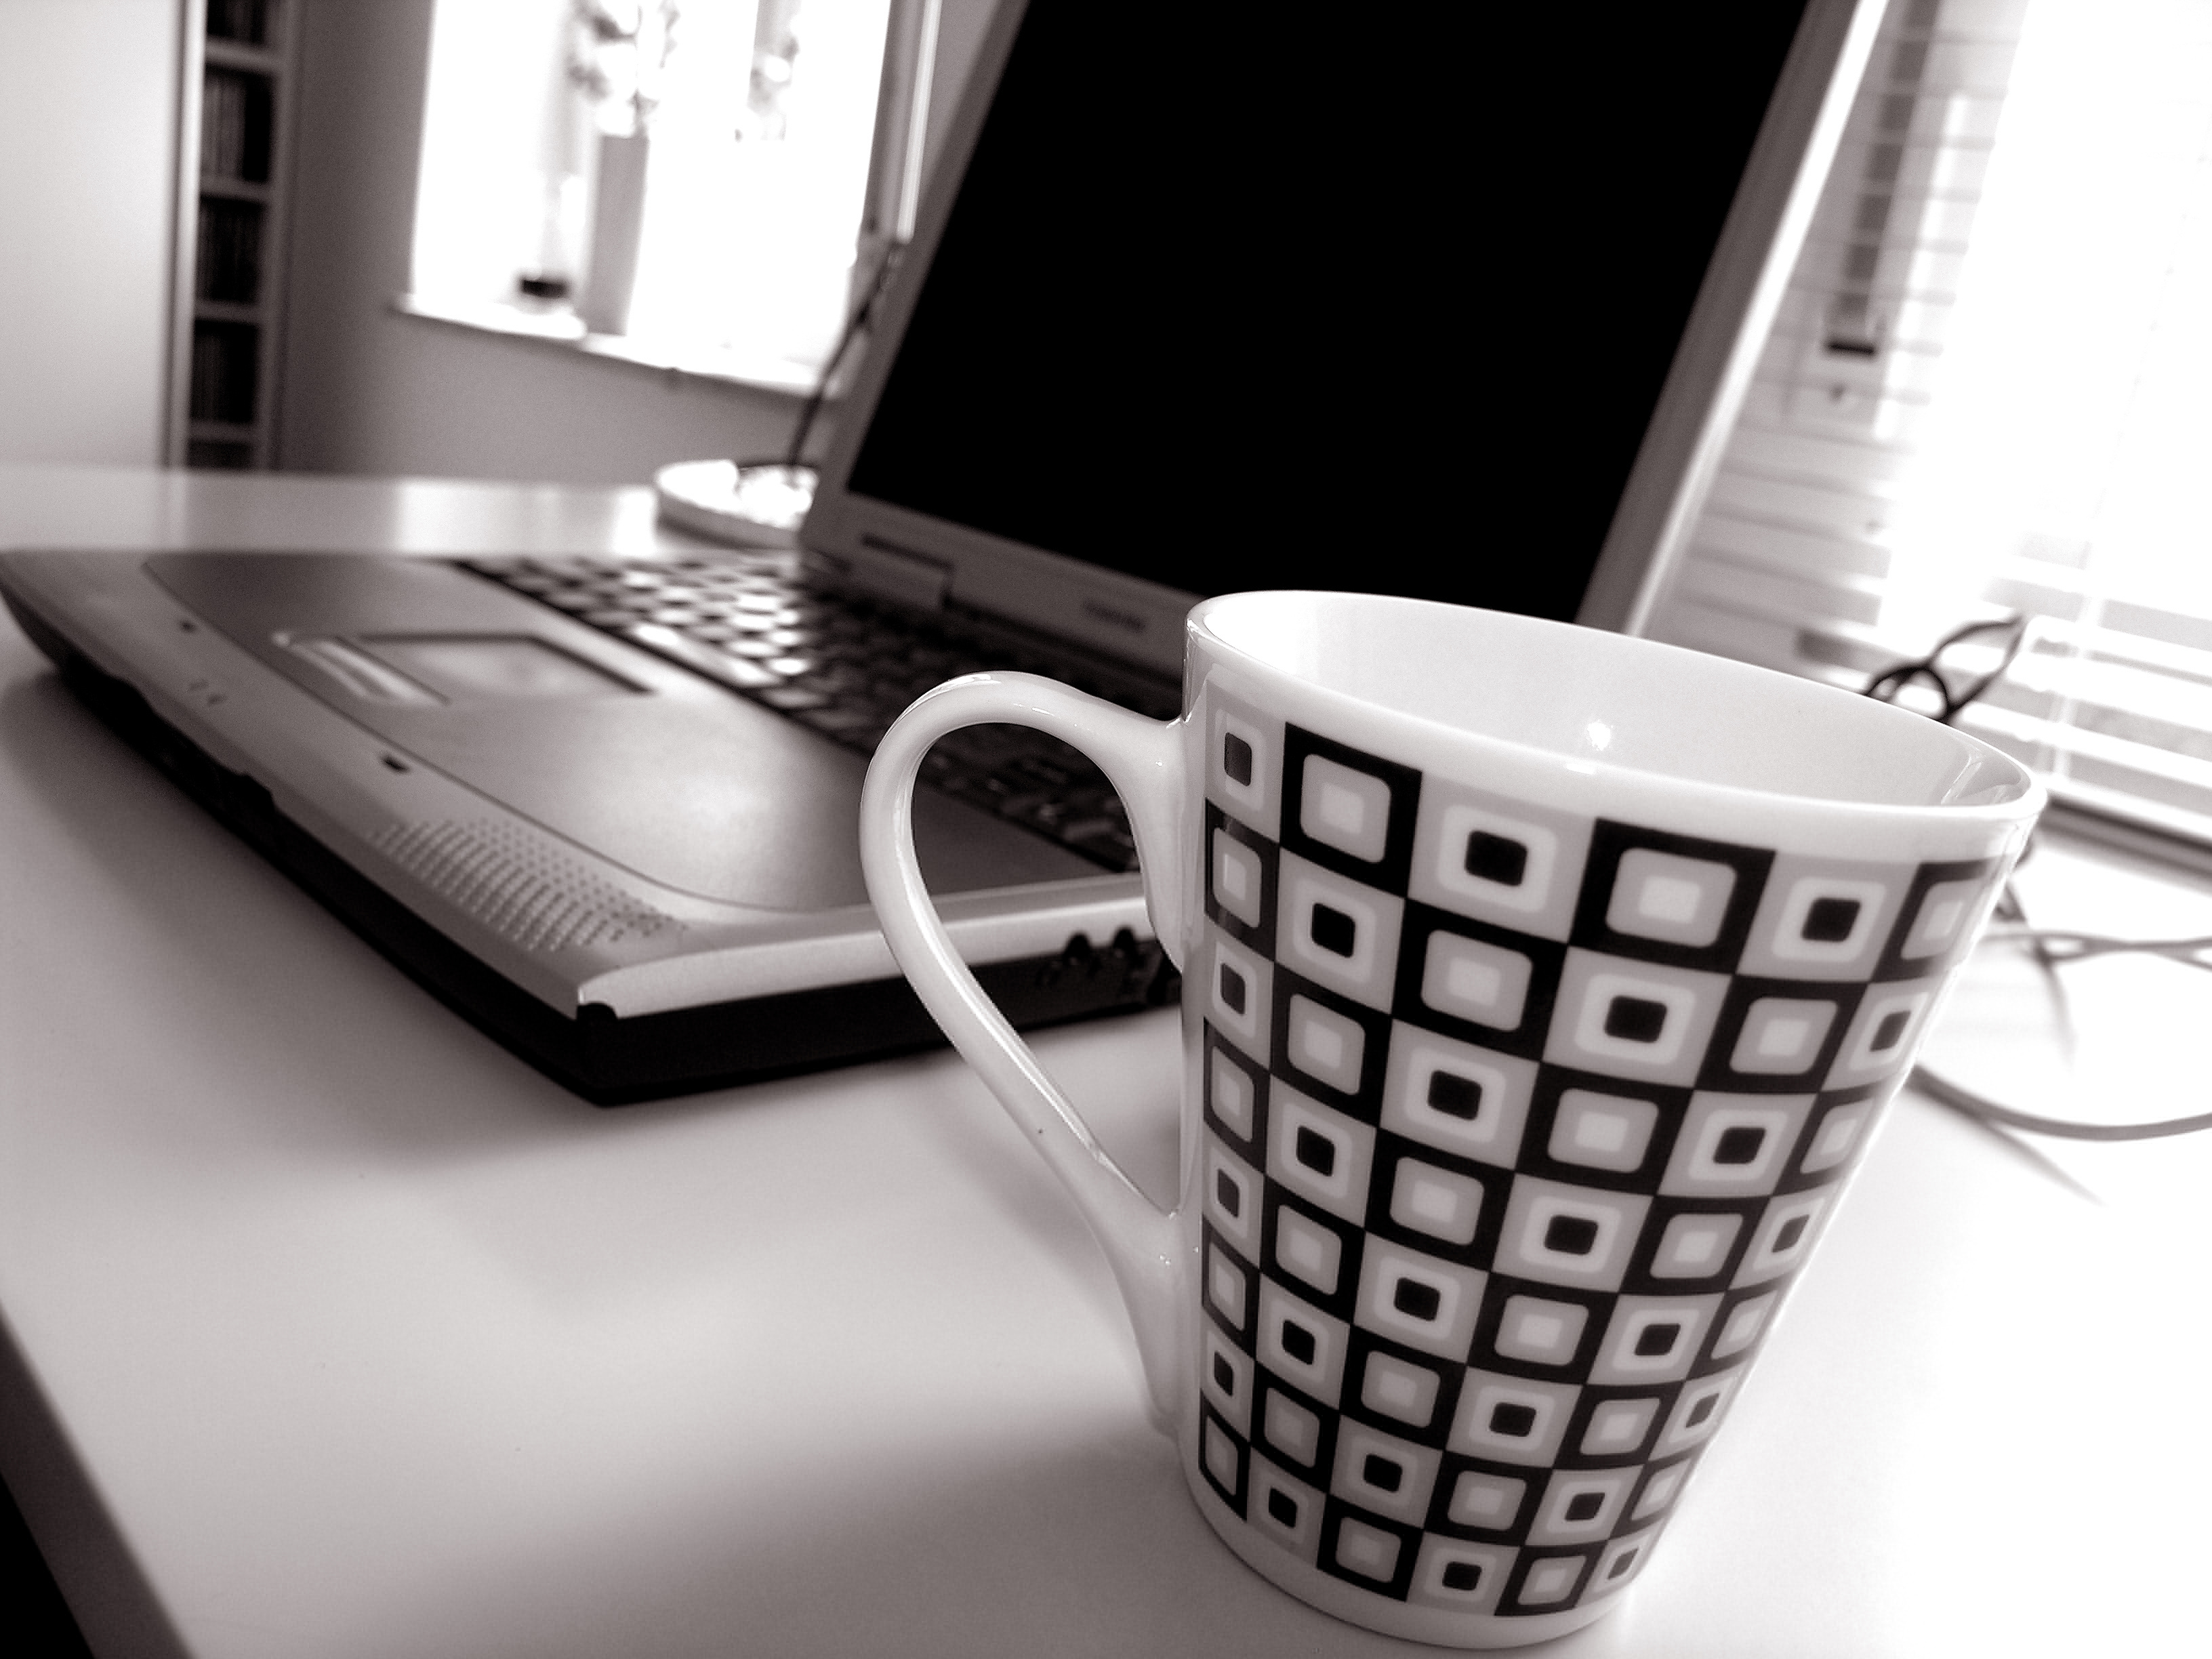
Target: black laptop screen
x,y
1324,299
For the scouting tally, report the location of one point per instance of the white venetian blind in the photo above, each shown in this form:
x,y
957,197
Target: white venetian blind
x,y
1990,390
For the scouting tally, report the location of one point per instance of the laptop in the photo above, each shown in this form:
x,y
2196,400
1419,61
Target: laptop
x,y
1194,305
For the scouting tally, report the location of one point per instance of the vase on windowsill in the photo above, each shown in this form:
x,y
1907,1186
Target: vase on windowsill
x,y
618,216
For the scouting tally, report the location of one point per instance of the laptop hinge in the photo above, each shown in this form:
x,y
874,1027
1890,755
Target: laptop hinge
x,y
898,573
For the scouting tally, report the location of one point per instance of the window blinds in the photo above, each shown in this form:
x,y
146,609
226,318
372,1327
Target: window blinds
x,y
1986,393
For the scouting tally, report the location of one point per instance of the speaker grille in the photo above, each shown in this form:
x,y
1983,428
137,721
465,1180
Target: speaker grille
x,y
518,884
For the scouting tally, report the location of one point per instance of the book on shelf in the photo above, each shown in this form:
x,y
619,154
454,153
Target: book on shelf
x,y
236,112
227,255
247,22
226,366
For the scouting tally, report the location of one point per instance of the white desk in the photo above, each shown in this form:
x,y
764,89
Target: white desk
x,y
337,1331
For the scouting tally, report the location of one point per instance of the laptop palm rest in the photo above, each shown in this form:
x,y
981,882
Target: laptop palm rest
x,y
647,765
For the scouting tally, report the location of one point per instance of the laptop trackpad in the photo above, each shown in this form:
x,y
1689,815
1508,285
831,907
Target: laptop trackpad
x,y
643,762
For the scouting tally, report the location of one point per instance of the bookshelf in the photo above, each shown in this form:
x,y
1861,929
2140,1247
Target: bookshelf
x,y
239,74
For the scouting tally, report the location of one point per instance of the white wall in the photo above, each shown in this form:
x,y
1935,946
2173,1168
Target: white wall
x,y
366,391
88,133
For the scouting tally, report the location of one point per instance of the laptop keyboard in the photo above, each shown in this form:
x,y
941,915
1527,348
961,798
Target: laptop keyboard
x,y
847,666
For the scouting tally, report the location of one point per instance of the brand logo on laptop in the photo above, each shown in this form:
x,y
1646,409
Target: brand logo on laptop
x,y
1129,621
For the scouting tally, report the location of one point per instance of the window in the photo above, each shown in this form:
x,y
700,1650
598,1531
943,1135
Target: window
x,y
1985,397
728,144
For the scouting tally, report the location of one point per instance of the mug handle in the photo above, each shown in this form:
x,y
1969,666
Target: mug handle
x,y
1144,761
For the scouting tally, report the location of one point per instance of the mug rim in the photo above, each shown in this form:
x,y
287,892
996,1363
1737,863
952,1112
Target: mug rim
x,y
2025,795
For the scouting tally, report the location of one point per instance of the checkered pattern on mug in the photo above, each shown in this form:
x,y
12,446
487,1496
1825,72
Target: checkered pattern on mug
x,y
1517,1127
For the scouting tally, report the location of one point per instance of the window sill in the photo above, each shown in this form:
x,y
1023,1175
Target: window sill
x,y
561,331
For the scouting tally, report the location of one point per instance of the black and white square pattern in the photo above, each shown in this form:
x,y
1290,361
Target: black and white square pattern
x,y
1314,1251
1406,1391
1669,898
1543,1330
1241,874
1491,858
1517,1126
1284,1508
1347,810
1484,984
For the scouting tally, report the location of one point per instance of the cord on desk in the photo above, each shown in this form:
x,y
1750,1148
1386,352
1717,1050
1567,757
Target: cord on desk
x,y
1960,1099
2052,948
862,315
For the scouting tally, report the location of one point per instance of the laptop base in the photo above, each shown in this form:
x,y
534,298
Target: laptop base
x,y
608,1059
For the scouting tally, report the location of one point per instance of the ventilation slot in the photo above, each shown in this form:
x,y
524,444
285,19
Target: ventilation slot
x,y
514,883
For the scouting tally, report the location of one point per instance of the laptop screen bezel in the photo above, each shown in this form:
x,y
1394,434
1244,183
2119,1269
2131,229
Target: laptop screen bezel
x,y
929,561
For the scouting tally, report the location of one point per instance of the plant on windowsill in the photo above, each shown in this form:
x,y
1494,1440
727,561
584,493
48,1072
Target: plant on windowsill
x,y
618,50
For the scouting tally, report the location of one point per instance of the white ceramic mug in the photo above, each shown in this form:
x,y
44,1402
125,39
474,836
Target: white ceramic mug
x,y
1542,987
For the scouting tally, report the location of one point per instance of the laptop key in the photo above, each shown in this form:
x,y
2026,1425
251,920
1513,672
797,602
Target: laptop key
x,y
1112,846
836,721
792,698
846,666
730,671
